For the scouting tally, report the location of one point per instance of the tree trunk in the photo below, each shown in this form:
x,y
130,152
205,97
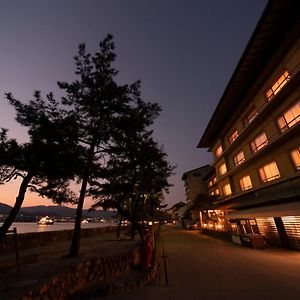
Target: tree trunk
x,y
134,223
75,244
19,201
119,227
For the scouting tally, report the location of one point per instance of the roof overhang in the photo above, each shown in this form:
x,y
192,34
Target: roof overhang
x,y
276,23
279,210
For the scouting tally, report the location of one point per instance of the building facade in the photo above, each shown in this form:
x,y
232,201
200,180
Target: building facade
x,y
254,133
194,182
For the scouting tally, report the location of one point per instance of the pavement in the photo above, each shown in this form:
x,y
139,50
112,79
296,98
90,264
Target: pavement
x,y
201,267
40,264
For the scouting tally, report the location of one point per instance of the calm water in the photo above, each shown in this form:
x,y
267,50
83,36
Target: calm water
x,y
34,227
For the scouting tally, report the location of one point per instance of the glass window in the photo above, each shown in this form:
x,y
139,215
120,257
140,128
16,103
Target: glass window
x,y
233,136
269,172
251,116
212,181
289,118
295,154
259,142
227,189
278,85
214,192
245,183
222,169
239,158
219,151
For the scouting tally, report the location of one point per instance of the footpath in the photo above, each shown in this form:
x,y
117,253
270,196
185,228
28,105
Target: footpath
x,y
39,266
203,267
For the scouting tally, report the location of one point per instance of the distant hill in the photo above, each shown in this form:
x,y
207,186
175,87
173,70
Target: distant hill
x,y
55,211
4,208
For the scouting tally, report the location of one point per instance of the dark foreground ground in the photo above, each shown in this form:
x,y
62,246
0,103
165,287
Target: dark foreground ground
x,y
200,267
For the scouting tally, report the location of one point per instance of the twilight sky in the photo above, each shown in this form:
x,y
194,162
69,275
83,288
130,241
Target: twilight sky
x,y
184,52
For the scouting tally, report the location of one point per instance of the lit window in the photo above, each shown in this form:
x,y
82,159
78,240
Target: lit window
x,y
212,181
259,142
239,158
222,169
295,154
278,85
233,136
214,192
219,151
226,189
251,116
289,118
269,172
245,183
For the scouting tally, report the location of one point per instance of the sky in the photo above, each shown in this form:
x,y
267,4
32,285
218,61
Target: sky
x,y
183,51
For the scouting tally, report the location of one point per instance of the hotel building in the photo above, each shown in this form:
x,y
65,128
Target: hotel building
x,y
254,133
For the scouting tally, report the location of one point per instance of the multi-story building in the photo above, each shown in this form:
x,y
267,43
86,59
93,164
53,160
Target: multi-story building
x,y
254,133
194,182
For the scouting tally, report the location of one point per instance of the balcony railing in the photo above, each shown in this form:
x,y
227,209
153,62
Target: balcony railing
x,y
294,74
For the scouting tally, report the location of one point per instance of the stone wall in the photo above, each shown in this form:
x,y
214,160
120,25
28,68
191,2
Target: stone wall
x,y
38,239
84,274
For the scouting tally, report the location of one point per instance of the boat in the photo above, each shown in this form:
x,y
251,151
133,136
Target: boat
x,y
45,221
85,221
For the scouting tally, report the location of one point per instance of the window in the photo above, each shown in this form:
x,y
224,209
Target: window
x,y
289,118
251,116
222,169
269,172
245,183
295,154
226,189
214,192
278,85
219,151
259,142
233,136
239,158
212,181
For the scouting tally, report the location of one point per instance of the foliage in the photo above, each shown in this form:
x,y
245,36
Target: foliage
x,y
97,101
46,162
137,172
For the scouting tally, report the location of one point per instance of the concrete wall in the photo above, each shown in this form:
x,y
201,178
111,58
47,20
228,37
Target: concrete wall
x,y
38,239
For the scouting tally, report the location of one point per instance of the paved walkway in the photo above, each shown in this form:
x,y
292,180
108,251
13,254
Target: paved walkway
x,y
200,267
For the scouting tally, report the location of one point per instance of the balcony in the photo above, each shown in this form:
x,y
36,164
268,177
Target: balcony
x,y
264,111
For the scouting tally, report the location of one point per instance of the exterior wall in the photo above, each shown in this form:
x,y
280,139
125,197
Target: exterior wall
x,y
194,183
275,150
255,209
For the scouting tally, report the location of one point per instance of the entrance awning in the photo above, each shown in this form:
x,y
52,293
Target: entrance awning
x,y
278,210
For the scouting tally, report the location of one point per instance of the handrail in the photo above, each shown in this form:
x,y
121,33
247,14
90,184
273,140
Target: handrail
x,y
259,110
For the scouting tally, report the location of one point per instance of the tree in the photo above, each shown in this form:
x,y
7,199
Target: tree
x,y
96,100
137,173
48,160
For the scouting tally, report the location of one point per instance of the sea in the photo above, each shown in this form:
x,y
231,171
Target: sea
x,y
24,227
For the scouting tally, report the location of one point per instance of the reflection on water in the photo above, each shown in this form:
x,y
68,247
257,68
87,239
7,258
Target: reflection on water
x,y
23,227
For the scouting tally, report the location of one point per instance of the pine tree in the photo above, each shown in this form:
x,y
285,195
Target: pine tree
x,y
97,100
48,161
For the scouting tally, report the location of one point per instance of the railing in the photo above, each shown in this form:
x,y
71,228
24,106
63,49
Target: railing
x,y
293,73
